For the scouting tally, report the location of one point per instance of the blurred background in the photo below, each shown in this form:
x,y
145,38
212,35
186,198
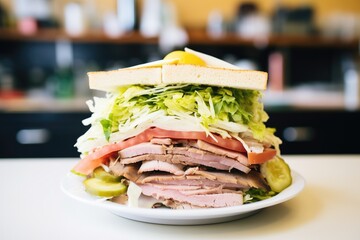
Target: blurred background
x,y
309,47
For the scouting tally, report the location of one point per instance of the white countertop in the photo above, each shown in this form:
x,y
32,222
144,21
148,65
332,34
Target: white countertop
x,y
32,206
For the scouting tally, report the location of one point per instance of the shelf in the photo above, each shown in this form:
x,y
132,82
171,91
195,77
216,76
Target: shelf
x,y
199,37
49,35
43,105
195,37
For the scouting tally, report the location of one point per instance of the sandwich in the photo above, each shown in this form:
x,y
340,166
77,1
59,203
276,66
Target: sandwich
x,y
187,131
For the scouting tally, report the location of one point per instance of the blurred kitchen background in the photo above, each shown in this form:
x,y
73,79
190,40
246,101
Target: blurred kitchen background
x,y
309,47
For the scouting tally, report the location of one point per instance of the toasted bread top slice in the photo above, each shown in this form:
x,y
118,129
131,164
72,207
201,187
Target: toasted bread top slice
x,y
109,81
170,74
192,74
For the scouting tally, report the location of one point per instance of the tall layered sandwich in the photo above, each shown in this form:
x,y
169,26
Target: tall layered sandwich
x,y
187,131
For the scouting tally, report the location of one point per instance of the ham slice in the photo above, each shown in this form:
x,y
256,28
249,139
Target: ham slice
x,y
190,190
222,152
203,191
208,179
175,187
187,156
187,174
208,159
234,164
175,159
200,182
202,200
141,149
156,165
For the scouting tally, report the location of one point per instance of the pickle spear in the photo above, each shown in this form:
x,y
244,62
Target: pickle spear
x,y
277,173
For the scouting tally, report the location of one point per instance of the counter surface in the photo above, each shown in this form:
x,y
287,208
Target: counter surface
x,y
32,206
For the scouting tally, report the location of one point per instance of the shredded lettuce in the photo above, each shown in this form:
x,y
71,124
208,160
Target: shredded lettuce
x,y
214,106
257,194
222,110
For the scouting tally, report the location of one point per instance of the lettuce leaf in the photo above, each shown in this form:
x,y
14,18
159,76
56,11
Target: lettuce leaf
x,y
257,194
210,104
222,110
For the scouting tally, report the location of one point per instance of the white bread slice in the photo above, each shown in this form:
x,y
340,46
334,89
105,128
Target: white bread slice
x,y
110,80
178,74
193,74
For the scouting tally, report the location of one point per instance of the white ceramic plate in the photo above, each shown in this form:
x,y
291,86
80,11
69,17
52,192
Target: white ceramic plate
x,y
72,186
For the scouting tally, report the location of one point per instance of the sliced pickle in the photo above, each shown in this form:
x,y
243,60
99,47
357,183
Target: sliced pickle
x,y
77,173
100,173
101,188
277,174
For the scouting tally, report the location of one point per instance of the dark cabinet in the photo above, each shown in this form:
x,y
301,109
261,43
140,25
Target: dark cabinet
x,y
317,131
40,134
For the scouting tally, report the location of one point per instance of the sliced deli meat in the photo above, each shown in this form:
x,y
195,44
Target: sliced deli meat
x,y
208,178
222,152
187,174
141,149
156,165
202,200
172,171
185,155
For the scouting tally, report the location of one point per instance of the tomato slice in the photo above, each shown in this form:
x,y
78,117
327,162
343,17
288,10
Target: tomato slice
x,y
258,158
86,165
228,143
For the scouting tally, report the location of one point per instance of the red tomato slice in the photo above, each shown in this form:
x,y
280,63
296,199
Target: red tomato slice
x,y
258,158
85,167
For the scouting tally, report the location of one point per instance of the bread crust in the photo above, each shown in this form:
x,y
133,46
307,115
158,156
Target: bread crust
x,y
192,74
110,81
169,74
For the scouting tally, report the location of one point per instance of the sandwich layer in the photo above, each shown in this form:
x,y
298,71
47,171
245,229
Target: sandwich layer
x,y
221,77
109,81
178,74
